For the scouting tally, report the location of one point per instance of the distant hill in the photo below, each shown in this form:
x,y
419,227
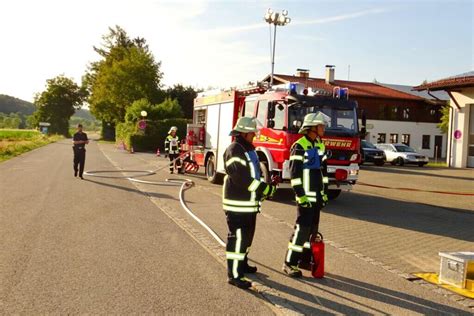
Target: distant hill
x,y
84,114
10,104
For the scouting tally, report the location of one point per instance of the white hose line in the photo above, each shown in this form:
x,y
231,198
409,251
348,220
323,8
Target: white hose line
x,y
163,183
141,173
97,173
187,184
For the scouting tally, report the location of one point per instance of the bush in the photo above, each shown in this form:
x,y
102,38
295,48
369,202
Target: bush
x,y
124,132
152,138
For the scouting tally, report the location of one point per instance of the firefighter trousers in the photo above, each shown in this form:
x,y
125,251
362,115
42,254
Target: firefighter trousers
x,y
79,161
307,223
176,163
239,239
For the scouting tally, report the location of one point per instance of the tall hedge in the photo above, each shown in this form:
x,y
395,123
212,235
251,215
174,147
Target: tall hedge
x,y
152,138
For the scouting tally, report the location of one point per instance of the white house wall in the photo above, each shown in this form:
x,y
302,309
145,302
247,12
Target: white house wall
x,y
416,131
460,121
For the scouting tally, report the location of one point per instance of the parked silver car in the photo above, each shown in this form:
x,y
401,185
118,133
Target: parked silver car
x,y
402,154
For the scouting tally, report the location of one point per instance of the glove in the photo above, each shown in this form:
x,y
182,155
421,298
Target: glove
x,y
269,191
324,198
303,201
276,180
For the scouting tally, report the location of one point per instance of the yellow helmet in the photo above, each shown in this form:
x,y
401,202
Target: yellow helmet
x,y
314,119
245,125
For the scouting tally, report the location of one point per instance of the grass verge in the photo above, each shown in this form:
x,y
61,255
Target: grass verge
x,y
17,142
440,164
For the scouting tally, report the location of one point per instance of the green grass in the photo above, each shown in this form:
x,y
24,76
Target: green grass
x,y
17,142
439,164
101,141
18,134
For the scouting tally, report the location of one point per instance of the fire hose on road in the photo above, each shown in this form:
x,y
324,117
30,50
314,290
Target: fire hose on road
x,y
186,184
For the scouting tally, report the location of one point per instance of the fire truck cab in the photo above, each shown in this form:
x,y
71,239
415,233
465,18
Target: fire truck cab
x,y
280,111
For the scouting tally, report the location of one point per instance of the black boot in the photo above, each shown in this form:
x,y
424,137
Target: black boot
x,y
292,271
242,283
250,269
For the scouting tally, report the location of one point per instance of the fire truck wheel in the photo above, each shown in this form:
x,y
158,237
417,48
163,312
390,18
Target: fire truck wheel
x,y
265,172
211,173
333,194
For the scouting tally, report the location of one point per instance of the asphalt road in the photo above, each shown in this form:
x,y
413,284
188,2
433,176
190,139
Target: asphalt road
x,y
366,262
71,246
110,246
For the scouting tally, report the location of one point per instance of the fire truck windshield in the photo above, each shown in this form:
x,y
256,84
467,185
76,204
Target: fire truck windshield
x,y
342,114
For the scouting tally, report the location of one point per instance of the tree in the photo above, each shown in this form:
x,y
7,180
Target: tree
x,y
12,120
166,110
169,109
444,124
185,97
57,104
127,72
133,113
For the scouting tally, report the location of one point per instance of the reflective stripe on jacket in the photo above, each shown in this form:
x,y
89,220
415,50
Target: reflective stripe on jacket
x,y
242,190
309,177
172,144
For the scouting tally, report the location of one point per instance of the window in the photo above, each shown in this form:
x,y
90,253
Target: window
x,y
262,111
200,116
249,108
279,117
381,138
425,142
406,139
393,138
406,113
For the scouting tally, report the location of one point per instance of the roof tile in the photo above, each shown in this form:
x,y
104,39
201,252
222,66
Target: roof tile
x,y
356,88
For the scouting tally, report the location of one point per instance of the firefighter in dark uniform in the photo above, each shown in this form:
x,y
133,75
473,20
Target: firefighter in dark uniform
x,y
243,192
172,149
308,169
79,140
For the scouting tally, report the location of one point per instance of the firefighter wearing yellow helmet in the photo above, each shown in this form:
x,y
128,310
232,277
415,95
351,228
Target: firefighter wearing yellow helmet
x,y
172,149
243,192
308,169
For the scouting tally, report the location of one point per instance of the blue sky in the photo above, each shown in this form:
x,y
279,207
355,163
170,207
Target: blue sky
x,y
226,43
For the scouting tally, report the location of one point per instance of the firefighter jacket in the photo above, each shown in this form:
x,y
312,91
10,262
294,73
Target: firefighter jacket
x,y
308,170
172,145
243,188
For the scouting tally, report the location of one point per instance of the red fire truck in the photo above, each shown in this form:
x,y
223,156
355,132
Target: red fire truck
x,y
280,110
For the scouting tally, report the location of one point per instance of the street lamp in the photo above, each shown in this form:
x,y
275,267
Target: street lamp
x,y
277,19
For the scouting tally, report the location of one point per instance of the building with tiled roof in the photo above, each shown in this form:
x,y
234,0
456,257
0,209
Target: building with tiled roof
x,y
460,89
394,114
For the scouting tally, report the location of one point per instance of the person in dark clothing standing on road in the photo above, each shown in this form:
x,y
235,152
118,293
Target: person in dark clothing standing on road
x,y
309,179
243,192
79,140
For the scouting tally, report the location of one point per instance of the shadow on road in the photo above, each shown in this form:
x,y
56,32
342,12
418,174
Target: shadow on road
x,y
335,284
128,189
382,294
406,215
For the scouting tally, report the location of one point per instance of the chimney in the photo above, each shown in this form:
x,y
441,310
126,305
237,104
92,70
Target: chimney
x,y
302,73
330,69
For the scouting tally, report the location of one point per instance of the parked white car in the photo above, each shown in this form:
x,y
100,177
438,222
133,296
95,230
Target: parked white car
x,y
402,154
